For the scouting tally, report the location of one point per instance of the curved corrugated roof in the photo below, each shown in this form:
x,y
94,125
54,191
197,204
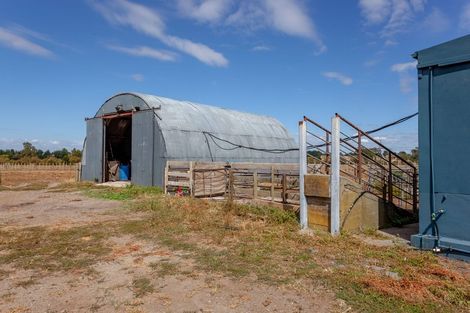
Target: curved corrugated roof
x,y
186,128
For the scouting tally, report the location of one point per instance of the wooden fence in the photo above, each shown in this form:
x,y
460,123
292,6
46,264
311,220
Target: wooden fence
x,y
41,167
273,182
16,173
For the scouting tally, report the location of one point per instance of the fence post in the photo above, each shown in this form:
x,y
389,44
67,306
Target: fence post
x,y
191,178
231,189
272,183
302,173
284,188
165,187
334,177
255,184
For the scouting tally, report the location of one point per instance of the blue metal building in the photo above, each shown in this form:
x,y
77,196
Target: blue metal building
x,y
444,147
144,131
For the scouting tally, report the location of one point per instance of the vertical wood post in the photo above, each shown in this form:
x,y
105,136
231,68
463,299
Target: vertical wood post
x,y
334,176
284,188
191,179
272,183
165,184
302,173
255,184
231,189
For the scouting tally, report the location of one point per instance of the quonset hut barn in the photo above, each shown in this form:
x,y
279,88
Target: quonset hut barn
x,y
143,131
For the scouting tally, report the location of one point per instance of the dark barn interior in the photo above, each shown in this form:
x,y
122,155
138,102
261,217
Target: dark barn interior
x,y
118,149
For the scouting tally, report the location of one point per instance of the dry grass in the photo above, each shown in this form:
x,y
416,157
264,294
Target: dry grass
x,y
142,286
13,178
47,249
242,240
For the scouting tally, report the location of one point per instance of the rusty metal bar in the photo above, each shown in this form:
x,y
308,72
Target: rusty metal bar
x,y
359,155
375,141
317,125
390,179
415,192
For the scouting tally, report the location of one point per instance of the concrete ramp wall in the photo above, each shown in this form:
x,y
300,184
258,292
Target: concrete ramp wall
x,y
358,209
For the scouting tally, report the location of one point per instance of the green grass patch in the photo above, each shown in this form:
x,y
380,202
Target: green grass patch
x,y
142,286
120,194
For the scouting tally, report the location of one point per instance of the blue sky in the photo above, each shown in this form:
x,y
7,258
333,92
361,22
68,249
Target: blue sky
x,y
60,60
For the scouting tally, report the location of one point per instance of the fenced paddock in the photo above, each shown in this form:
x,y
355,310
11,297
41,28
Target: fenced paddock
x,y
272,182
13,174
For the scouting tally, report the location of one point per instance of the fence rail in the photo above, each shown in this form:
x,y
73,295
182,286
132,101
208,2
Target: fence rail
x,y
43,167
272,182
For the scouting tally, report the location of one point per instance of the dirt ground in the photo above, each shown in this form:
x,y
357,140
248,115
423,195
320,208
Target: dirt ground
x,y
134,275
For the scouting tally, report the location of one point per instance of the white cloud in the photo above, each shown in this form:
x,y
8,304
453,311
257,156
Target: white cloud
x,y
148,21
390,42
465,17
375,11
418,5
15,41
393,15
142,51
343,79
407,81
400,141
403,67
287,16
204,10
436,21
137,77
261,48
250,15
372,62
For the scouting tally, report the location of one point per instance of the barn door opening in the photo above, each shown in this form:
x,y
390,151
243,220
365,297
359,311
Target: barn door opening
x,y
118,148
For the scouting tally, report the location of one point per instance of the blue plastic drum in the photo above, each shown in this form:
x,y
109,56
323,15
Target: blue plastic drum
x,y
123,172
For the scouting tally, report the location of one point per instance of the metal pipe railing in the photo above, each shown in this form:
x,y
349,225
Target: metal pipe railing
x,y
387,175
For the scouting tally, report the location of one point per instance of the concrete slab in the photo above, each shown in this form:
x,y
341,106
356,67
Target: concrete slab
x,y
403,232
116,184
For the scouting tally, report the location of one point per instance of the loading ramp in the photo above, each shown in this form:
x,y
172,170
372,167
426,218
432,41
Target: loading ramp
x,y
348,176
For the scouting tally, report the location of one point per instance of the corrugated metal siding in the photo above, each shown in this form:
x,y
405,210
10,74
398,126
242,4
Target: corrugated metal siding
x,y
92,165
183,126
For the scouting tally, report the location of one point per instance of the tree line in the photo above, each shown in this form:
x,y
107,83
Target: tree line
x,y
31,155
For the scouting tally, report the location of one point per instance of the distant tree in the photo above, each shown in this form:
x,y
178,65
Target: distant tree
x,y
62,155
75,156
28,150
4,158
404,155
415,155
